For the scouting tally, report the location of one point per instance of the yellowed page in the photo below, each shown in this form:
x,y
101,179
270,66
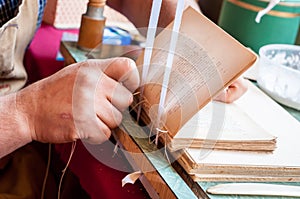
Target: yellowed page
x,y
206,60
223,122
271,116
223,126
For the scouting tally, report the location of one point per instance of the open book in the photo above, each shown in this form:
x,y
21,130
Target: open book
x,y
206,60
283,164
223,126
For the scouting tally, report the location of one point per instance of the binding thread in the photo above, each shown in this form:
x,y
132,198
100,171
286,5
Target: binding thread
x,y
65,169
47,172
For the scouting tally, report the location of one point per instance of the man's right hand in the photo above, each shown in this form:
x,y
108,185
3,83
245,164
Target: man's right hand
x,y
82,101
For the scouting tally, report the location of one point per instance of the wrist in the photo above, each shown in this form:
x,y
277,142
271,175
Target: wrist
x,y
25,107
14,131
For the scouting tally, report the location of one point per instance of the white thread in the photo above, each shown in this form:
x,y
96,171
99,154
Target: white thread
x,y
47,172
153,21
166,152
136,105
64,170
160,132
116,148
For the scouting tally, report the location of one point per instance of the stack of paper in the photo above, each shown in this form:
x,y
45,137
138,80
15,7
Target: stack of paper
x,y
223,126
283,164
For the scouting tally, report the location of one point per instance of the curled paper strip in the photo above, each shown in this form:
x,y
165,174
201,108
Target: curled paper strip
x,y
131,178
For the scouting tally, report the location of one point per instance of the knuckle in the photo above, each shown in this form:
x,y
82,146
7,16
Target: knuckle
x,y
72,134
123,61
130,99
106,131
117,119
84,64
129,63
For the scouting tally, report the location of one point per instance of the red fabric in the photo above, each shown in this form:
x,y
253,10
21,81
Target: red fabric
x,y
40,58
99,180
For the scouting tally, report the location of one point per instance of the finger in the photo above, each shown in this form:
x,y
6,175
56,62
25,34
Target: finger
x,y
114,92
233,92
120,69
108,114
239,86
100,136
236,90
121,97
228,95
241,83
93,131
123,70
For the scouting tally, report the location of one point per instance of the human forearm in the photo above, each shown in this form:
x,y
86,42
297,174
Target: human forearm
x,y
14,131
81,101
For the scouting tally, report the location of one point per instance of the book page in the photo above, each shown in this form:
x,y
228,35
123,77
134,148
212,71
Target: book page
x,y
223,122
206,60
271,116
223,126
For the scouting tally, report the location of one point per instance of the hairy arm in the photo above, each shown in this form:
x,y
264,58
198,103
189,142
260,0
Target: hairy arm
x,y
81,101
14,129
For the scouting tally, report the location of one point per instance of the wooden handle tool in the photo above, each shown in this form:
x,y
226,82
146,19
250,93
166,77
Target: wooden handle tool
x,y
92,25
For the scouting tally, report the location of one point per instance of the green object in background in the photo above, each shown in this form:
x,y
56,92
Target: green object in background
x,y
280,25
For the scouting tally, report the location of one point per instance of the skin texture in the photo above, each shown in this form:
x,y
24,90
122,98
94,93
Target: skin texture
x,y
84,100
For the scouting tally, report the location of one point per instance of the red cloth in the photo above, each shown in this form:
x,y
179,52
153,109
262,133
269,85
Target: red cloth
x,y
40,58
99,180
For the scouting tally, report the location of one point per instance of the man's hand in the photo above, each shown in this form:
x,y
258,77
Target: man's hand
x,y
82,101
233,92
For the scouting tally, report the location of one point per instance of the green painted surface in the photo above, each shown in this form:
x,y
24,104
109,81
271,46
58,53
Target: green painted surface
x,y
156,157
239,22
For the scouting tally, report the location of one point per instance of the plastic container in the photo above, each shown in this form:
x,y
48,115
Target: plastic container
x,y
279,73
280,25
